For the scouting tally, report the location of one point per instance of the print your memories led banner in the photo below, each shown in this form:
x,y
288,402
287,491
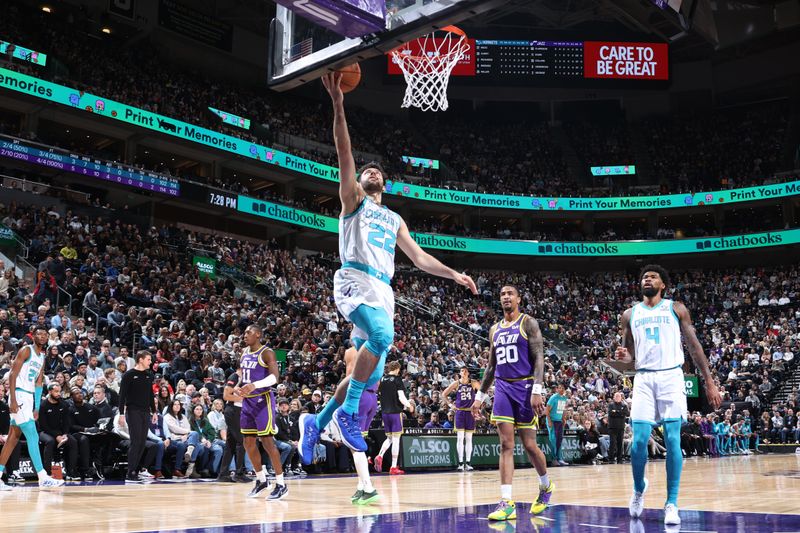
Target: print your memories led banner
x,y
109,108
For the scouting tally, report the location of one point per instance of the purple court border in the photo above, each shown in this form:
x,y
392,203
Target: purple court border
x,y
557,519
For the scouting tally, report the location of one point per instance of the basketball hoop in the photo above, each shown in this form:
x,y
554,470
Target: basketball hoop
x,y
428,73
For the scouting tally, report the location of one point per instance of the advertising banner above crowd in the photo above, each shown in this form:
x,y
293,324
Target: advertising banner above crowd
x,y
38,88
454,243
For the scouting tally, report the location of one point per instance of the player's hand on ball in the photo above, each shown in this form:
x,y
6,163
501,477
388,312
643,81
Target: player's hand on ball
x,y
622,354
713,395
537,402
476,408
247,389
466,281
332,82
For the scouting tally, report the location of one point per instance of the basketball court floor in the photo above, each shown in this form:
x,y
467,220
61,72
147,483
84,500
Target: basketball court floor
x,y
735,494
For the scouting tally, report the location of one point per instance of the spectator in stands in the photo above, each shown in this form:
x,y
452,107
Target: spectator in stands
x,y
165,445
692,441
54,433
337,455
434,421
288,436
151,447
589,442
618,414
84,417
100,401
61,321
209,440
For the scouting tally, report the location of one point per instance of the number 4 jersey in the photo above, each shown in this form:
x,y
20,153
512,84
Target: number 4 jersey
x,y
657,336
367,239
511,350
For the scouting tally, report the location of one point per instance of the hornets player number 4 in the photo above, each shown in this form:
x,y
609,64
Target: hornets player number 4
x,y
651,334
369,234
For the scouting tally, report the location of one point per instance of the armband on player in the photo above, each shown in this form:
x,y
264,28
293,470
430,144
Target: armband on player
x,y
536,389
37,398
480,396
268,381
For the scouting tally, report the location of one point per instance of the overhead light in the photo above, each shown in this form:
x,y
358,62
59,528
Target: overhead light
x,y
47,9
106,30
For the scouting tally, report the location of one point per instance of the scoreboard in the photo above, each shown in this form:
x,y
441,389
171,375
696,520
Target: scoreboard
x,y
529,59
535,62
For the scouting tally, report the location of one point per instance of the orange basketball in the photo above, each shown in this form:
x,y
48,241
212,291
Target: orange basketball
x,y
351,76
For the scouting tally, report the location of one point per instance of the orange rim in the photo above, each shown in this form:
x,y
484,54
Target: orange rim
x,y
451,29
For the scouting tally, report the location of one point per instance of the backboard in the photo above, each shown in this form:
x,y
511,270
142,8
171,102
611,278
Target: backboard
x,y
302,50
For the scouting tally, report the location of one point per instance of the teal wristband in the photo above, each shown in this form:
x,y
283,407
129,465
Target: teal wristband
x,y
37,398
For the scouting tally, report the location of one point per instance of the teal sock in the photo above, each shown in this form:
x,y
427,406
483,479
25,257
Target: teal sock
x,y
29,430
354,391
641,434
324,416
2,469
672,438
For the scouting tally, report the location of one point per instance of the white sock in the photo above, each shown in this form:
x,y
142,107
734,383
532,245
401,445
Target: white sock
x,y
385,446
261,476
368,485
279,479
505,492
460,446
544,481
42,474
362,469
468,445
395,450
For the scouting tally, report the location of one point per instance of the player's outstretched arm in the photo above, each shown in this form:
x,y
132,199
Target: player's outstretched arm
x,y
696,351
626,351
425,261
348,187
536,351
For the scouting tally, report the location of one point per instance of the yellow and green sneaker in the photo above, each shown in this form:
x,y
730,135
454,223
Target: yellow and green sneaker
x,y
543,501
357,496
506,510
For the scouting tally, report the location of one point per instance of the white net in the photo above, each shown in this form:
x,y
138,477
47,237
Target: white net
x,y
427,69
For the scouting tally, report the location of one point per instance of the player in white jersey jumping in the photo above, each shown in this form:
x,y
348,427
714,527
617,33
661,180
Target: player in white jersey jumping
x,y
25,395
368,233
651,337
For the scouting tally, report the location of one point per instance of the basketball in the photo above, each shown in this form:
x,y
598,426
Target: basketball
x,y
351,76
